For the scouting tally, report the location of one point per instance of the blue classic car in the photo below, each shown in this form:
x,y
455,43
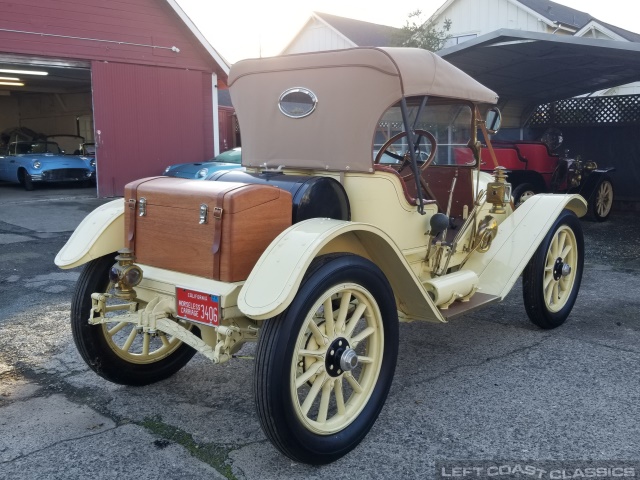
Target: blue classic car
x,y
200,170
33,162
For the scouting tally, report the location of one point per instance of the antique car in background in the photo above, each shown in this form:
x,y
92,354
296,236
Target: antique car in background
x,y
318,251
535,167
36,161
228,160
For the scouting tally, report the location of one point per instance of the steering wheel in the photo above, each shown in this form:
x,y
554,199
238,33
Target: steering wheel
x,y
552,138
406,157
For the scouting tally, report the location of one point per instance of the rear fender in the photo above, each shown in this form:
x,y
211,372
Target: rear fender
x,y
518,237
100,233
274,281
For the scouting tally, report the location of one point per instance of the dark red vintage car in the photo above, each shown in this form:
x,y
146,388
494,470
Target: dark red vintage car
x,y
535,167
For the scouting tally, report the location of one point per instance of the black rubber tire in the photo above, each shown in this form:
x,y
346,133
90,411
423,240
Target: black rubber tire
x,y
520,190
91,342
603,190
25,180
276,346
533,276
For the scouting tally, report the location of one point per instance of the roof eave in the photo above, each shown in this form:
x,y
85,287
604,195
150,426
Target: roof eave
x,y
219,59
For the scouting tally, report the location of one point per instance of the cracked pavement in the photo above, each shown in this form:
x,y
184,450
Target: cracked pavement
x,y
489,385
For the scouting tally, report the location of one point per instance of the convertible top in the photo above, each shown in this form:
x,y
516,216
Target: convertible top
x,y
353,87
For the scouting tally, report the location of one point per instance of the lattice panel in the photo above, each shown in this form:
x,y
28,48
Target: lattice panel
x,y
589,111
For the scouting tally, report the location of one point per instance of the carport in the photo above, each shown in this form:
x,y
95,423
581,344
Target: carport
x,y
136,77
530,69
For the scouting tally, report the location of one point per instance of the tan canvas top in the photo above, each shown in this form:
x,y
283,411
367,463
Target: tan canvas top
x,y
354,87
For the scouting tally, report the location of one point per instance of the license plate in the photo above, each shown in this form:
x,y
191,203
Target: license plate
x,y
198,307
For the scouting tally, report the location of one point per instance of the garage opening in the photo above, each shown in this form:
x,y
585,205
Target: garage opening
x,y
46,125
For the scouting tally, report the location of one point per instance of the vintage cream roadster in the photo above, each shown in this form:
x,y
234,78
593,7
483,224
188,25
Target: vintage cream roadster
x,y
360,208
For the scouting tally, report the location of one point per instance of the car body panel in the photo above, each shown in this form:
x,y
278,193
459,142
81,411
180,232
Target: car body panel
x,y
518,237
225,161
100,233
275,279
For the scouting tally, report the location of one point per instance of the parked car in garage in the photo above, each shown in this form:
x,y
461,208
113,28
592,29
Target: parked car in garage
x,y
318,250
200,170
87,152
541,167
30,163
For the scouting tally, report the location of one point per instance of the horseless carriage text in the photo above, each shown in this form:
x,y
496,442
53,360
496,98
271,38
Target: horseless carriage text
x,y
356,212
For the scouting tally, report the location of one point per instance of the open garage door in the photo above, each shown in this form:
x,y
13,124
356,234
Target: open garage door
x,y
45,108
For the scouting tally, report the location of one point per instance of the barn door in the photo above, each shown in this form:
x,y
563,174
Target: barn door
x,y
146,118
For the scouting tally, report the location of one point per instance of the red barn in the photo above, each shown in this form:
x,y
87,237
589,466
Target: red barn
x,y
135,76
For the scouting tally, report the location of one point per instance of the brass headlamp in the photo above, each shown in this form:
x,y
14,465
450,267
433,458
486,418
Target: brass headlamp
x,y
125,274
499,191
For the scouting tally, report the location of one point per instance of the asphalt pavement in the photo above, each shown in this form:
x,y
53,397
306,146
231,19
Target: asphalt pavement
x,y
487,386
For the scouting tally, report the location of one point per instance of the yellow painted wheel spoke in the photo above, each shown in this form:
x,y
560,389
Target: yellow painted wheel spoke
x,y
355,318
317,334
339,396
362,335
323,411
353,382
328,318
313,393
130,339
145,343
304,378
319,354
165,340
363,359
117,328
344,310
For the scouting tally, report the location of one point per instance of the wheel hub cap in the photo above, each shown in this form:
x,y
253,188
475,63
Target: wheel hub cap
x,y
340,358
561,269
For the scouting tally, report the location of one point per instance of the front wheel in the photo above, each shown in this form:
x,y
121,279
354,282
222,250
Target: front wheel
x,y
602,203
325,365
115,350
551,280
26,180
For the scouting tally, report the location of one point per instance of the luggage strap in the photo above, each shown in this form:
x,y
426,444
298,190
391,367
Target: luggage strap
x,y
217,229
217,234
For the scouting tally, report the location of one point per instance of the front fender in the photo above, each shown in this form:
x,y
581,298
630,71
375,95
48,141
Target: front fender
x,y
519,235
274,281
101,232
588,188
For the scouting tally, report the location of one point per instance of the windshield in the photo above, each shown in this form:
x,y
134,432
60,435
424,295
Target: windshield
x,y
22,148
450,123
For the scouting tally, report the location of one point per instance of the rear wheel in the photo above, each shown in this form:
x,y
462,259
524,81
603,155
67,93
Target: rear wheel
x,y
325,365
601,205
551,280
522,193
116,350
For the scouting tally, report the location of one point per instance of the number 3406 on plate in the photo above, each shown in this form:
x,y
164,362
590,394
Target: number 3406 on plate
x,y
198,307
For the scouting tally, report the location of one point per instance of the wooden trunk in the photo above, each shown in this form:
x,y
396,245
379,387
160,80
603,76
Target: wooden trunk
x,y
210,229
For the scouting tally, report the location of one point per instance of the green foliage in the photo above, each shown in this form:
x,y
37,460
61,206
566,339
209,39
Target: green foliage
x,y
421,33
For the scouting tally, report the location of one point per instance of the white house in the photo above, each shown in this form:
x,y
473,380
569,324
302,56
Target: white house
x,y
330,32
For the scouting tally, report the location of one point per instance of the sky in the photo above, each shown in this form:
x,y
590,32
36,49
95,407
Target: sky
x,y
240,29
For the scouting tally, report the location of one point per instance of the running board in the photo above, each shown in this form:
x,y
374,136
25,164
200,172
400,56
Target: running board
x,y
478,300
